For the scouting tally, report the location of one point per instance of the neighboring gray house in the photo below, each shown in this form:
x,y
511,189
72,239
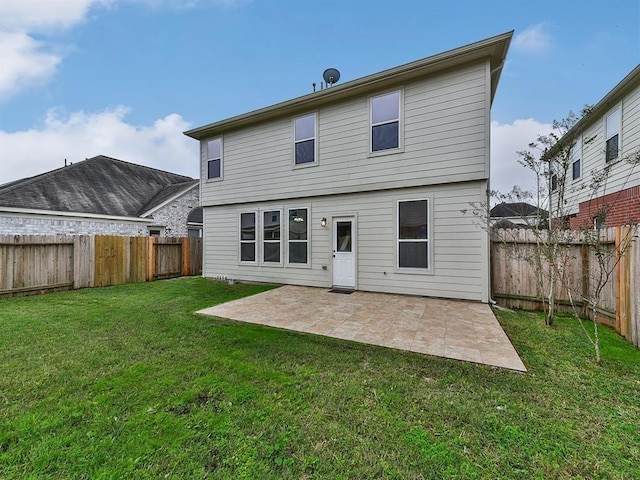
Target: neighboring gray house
x,y
604,139
360,185
516,215
100,195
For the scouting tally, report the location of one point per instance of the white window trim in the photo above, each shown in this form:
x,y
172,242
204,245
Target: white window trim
x,y
160,229
400,147
207,159
315,143
412,270
255,241
617,109
300,265
576,156
262,240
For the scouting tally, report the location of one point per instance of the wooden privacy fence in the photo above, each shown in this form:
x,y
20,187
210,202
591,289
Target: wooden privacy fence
x,y
514,284
44,263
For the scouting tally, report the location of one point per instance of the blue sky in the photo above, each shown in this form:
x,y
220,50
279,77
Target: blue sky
x,y
124,78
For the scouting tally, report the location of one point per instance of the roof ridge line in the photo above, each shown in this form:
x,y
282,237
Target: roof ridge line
x,y
143,166
29,180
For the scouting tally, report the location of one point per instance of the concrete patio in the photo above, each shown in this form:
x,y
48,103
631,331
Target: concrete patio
x,y
460,330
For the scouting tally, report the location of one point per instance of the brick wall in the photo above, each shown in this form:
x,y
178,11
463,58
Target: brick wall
x,y
173,216
31,225
621,208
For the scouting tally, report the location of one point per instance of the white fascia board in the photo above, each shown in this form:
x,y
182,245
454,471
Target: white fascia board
x,y
21,212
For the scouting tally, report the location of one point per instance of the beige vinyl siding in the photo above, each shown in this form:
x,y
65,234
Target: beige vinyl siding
x,y
621,175
460,260
445,140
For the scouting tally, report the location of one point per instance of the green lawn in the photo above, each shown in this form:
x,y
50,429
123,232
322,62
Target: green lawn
x,y
126,382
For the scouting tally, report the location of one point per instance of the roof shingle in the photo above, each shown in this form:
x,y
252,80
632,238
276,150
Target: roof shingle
x,y
99,185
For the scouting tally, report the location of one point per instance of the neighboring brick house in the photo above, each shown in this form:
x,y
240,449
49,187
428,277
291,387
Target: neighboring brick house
x,y
605,139
100,195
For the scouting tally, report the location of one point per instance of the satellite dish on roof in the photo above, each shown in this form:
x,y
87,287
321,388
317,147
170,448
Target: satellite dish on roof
x,y
331,76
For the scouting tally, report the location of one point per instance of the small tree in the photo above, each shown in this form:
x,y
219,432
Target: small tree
x,y
549,159
594,238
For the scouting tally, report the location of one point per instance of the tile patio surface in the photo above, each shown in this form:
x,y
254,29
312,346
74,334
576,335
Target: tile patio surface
x,y
446,328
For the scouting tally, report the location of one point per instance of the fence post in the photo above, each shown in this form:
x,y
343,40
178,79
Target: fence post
x,y
151,258
634,287
623,280
185,257
586,278
626,290
83,261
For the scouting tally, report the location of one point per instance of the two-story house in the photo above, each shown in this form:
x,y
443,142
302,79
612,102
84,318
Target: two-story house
x,y
360,185
603,144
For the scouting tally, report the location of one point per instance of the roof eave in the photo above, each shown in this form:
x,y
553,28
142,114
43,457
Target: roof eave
x,y
494,48
599,109
75,215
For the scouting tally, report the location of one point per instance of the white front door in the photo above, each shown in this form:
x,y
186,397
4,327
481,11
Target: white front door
x,y
344,252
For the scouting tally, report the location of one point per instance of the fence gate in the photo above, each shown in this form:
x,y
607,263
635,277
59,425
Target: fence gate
x,y
168,257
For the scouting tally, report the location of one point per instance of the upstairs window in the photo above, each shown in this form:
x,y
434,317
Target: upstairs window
x,y
271,245
214,158
385,122
248,237
612,135
298,236
576,154
554,182
305,139
413,234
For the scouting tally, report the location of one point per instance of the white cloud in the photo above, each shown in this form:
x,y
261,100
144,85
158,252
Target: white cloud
x,y
506,141
23,62
533,39
83,135
38,15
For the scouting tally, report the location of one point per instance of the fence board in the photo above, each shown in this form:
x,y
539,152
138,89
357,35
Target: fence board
x,y
83,261
623,271
139,248
195,256
185,256
110,260
634,254
152,255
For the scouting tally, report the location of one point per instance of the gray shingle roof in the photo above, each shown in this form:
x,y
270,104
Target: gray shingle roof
x,y
100,185
195,216
516,209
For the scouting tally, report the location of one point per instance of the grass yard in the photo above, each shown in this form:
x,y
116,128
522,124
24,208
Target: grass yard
x,y
127,382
